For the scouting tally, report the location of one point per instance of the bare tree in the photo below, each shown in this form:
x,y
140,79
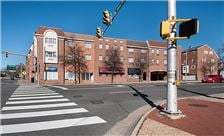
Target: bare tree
x,y
143,61
220,53
75,58
113,61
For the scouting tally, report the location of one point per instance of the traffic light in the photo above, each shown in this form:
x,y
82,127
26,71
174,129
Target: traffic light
x,y
98,32
165,29
188,28
106,18
6,54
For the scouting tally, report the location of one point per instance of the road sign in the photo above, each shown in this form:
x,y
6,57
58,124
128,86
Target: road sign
x,y
24,72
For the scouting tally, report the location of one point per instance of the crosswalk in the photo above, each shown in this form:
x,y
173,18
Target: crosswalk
x,y
41,109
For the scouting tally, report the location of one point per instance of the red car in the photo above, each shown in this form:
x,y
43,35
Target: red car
x,y
212,79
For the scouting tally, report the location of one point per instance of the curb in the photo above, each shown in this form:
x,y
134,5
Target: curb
x,y
140,122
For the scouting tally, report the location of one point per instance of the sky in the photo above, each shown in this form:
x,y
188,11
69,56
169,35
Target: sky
x,y
137,20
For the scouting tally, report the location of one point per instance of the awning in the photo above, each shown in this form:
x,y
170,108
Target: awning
x,y
108,70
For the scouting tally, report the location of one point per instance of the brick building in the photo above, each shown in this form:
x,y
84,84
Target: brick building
x,y
50,45
194,58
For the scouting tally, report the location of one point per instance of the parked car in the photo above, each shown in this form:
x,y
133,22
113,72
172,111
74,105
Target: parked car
x,y
221,78
212,79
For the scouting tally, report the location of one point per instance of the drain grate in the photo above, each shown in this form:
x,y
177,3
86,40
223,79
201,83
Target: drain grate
x,y
198,105
77,96
97,102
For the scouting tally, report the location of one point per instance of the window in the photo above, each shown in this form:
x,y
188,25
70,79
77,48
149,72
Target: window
x,y
106,58
107,46
121,41
115,47
121,47
70,76
142,60
122,59
153,61
100,57
143,51
203,60
205,52
157,51
152,50
130,60
50,40
86,76
88,45
210,53
130,50
193,66
157,61
193,61
100,45
70,43
49,75
212,61
88,57
165,52
212,68
165,61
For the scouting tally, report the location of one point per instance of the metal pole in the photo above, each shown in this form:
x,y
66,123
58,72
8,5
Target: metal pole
x,y
171,57
186,65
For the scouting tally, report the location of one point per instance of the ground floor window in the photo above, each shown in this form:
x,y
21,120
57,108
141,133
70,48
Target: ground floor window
x,y
87,76
49,75
71,76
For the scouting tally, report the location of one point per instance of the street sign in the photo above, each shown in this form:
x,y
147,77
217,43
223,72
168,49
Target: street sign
x,y
52,69
11,67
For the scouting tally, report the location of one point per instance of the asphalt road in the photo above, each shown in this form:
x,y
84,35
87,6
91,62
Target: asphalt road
x,y
111,103
7,88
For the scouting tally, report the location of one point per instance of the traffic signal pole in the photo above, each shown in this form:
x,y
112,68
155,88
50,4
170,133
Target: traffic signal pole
x,y
171,58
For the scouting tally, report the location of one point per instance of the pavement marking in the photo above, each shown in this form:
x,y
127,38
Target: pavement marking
x,y
38,97
120,92
60,87
27,92
217,86
32,93
42,113
36,101
19,95
38,106
46,125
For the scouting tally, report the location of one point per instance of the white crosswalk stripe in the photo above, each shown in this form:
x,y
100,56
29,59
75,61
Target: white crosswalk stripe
x,y
53,104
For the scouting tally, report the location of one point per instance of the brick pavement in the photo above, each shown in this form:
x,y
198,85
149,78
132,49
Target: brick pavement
x,y
203,118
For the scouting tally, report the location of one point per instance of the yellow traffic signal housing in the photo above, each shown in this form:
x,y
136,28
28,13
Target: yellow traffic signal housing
x,y
98,32
106,18
165,29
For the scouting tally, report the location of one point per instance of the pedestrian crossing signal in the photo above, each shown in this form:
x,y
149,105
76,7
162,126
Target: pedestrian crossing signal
x,y
188,28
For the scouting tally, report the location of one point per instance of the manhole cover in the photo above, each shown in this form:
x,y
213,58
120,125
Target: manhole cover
x,y
198,105
77,96
97,102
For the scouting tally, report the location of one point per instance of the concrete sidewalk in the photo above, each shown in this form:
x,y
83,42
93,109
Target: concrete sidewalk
x,y
203,116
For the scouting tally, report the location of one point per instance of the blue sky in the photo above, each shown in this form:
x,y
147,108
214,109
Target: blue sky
x,y
136,21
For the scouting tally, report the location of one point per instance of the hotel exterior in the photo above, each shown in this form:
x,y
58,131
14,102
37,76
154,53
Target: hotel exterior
x,y
45,62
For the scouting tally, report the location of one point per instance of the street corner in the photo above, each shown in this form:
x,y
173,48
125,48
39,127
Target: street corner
x,y
207,117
